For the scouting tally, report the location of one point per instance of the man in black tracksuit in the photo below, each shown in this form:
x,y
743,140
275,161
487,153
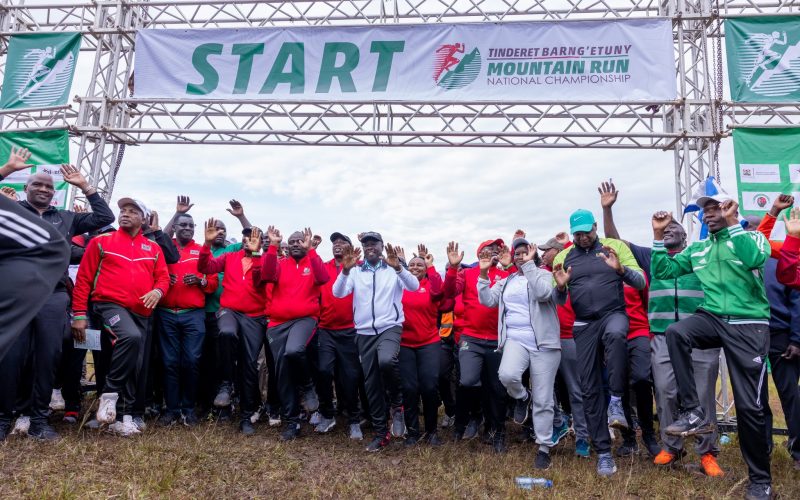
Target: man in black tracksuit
x,y
45,334
593,272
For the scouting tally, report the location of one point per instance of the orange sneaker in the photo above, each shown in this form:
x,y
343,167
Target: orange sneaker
x,y
710,466
664,458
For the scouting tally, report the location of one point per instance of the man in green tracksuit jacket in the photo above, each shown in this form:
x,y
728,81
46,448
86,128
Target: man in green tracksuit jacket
x,y
734,315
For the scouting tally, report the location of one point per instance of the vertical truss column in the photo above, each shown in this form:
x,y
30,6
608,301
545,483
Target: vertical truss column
x,y
694,116
99,152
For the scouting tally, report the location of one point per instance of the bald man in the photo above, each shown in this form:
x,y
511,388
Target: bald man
x,y
44,335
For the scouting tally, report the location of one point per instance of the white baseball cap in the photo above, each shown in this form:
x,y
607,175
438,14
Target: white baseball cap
x,y
131,201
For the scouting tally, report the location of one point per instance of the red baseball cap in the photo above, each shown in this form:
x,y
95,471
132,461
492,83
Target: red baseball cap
x,y
499,242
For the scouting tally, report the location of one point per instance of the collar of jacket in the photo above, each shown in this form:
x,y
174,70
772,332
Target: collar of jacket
x,y
33,209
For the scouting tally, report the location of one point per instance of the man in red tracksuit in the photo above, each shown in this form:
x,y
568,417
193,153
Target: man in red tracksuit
x,y
181,316
241,319
124,275
337,353
477,354
295,311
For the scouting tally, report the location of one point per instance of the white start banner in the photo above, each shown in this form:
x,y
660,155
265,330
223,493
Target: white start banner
x,y
618,60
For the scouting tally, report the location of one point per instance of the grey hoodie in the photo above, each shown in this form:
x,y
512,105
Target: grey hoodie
x,y
542,305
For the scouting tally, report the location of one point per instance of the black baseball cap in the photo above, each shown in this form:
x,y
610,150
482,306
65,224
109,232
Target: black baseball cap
x,y
519,241
340,236
371,235
247,231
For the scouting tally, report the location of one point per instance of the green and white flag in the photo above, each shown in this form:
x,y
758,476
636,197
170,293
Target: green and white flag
x,y
49,149
767,164
39,70
764,58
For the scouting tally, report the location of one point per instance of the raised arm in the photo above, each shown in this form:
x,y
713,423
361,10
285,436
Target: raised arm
x,y
608,196
101,215
206,263
182,206
237,210
453,279
343,286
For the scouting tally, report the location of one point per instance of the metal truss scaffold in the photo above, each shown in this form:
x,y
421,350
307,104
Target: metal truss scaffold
x,y
108,118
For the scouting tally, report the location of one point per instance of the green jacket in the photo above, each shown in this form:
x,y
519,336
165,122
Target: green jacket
x,y
730,266
212,299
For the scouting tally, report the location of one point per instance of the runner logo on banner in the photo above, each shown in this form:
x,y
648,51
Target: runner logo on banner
x,y
39,70
49,149
620,60
764,58
767,165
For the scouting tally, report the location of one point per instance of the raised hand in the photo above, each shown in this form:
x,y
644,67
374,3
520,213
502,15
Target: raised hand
x,y
9,193
152,222
74,176
505,258
274,237
308,235
315,241
561,276
350,258
18,159
730,210
211,231
485,262
608,194
562,238
793,223
530,255
253,243
661,220
611,259
780,204
237,210
423,254
79,209
183,205
392,259
519,233
454,257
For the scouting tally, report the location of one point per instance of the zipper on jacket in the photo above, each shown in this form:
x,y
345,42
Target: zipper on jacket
x,y
373,303
677,315
528,292
396,312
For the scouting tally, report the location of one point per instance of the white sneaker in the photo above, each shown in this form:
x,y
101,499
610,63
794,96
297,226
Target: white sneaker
x,y
315,419
126,428
355,432
141,426
22,425
254,417
57,401
274,421
107,412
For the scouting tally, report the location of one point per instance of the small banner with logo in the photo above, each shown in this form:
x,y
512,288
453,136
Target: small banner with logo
x,y
764,58
619,60
767,164
49,149
39,70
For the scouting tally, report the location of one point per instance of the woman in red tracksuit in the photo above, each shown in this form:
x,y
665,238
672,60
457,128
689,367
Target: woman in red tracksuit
x,y
419,349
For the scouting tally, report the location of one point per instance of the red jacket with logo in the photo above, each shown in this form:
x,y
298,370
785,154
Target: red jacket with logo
x,y
421,310
334,313
296,283
119,268
239,292
182,296
479,321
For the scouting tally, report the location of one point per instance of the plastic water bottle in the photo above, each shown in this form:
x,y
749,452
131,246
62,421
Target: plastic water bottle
x,y
527,483
724,440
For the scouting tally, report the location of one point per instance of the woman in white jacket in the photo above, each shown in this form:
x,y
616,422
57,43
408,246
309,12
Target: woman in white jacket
x,y
528,335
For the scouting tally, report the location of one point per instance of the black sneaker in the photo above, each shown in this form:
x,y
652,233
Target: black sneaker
x,y
651,443
758,491
310,400
43,432
190,419
5,430
290,432
411,441
542,461
473,426
223,397
629,447
432,438
167,420
224,414
398,422
378,443
246,427
499,443
689,423
521,408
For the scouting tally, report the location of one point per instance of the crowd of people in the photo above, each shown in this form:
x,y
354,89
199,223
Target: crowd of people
x,y
581,333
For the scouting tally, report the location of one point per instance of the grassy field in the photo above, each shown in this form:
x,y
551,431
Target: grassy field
x,y
214,461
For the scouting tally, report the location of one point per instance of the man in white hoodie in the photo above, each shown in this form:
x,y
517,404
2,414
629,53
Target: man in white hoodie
x,y
377,286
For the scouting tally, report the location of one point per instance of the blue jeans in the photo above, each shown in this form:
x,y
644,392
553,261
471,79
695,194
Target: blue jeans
x,y
181,343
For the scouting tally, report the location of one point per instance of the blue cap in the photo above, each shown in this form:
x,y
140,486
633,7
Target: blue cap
x,y
581,221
